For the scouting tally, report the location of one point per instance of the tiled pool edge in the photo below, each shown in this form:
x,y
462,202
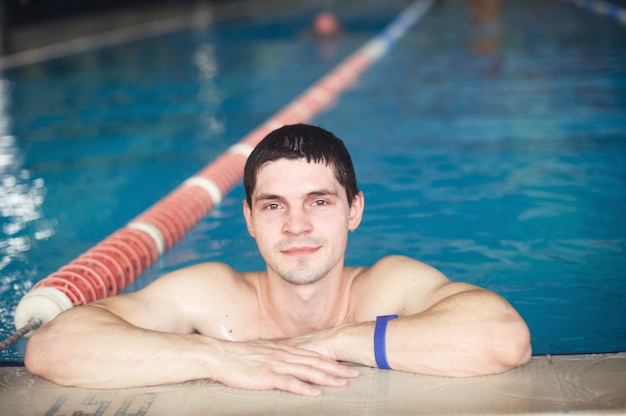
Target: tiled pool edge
x,y
548,384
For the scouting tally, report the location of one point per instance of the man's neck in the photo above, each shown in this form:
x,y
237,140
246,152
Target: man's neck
x,y
291,310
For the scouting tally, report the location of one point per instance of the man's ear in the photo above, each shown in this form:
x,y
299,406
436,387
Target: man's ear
x,y
247,214
356,211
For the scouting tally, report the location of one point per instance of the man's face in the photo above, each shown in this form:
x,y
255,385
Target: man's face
x,y
300,218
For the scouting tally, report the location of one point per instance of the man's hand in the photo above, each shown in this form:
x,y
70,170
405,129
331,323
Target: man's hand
x,y
352,343
265,365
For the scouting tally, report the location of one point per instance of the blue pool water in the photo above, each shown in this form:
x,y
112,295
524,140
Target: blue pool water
x,y
488,143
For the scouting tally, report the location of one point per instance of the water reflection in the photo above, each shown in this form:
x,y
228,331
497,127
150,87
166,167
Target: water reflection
x,y
21,219
209,95
21,198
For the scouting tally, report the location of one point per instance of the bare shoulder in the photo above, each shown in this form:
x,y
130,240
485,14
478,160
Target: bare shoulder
x,y
401,285
404,271
198,275
182,300
399,262
184,285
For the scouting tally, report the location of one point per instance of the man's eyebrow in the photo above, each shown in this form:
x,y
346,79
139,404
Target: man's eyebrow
x,y
320,192
266,196
323,192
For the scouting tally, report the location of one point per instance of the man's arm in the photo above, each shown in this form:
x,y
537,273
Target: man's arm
x,y
146,338
91,347
462,331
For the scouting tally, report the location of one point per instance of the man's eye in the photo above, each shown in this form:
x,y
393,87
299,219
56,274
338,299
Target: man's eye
x,y
271,207
320,202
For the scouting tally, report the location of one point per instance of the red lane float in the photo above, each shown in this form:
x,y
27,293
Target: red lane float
x,y
110,266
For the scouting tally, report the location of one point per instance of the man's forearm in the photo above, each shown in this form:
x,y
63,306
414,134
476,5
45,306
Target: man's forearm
x,y
470,333
90,347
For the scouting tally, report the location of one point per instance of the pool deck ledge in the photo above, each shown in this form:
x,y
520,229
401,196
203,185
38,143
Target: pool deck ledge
x,y
548,384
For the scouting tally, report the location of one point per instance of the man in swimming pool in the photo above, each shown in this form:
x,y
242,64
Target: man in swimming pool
x,y
295,325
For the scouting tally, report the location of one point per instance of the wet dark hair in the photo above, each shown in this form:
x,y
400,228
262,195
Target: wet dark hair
x,y
302,141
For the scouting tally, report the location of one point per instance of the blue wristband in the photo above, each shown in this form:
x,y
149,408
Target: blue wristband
x,y
380,345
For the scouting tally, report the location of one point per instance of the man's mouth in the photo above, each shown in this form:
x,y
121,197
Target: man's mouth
x,y
300,251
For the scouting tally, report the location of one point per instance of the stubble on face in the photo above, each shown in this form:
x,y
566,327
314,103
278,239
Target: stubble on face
x,y
305,269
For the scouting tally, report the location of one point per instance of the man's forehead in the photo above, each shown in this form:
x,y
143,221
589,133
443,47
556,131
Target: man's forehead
x,y
298,174
295,163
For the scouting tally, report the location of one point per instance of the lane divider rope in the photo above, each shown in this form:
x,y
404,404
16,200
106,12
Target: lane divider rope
x,y
603,8
110,266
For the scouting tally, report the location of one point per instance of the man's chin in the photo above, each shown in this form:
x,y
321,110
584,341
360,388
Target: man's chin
x,y
301,279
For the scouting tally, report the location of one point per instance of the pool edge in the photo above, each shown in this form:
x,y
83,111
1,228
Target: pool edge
x,y
548,384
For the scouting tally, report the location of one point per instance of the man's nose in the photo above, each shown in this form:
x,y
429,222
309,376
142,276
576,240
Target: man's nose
x,y
297,221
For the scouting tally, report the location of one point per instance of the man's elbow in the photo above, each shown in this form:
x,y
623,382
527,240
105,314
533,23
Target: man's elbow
x,y
35,359
514,347
40,360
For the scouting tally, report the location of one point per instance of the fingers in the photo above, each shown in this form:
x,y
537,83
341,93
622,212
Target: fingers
x,y
314,368
263,366
322,375
294,385
305,380
320,361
